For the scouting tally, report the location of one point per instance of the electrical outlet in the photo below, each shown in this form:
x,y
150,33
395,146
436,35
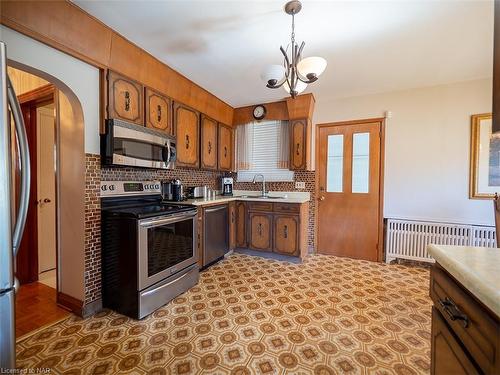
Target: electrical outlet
x,y
300,185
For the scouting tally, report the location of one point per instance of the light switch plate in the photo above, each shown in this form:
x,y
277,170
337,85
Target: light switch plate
x,y
300,185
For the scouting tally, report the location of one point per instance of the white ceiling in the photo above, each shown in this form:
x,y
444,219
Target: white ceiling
x,y
370,46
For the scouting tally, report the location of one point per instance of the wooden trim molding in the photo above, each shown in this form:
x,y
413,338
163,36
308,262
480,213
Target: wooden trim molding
x,y
66,27
38,95
302,107
70,303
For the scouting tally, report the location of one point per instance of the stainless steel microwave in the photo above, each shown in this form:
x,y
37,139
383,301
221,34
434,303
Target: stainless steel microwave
x,y
126,144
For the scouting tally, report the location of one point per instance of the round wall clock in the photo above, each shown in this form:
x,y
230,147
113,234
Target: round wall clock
x,y
259,112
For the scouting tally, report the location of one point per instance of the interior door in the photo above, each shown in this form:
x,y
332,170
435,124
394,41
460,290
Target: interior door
x,y
46,187
349,192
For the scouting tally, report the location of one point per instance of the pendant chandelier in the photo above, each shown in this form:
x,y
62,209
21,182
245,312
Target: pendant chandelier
x,y
295,73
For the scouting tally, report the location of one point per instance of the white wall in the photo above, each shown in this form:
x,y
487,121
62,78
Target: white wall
x,y
427,148
81,78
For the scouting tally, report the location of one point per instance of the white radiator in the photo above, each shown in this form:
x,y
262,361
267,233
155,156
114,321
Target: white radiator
x,y
407,239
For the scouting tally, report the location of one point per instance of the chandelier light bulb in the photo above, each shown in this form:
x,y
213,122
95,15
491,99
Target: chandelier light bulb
x,y
311,65
301,86
272,74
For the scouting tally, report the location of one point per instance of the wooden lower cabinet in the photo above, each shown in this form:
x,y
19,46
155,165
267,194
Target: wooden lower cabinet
x,y
241,227
260,225
232,225
448,357
277,227
286,235
465,334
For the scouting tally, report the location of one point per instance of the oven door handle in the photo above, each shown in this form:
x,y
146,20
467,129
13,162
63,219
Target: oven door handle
x,y
168,220
187,273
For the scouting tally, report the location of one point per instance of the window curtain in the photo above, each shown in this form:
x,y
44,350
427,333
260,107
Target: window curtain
x,y
244,146
283,145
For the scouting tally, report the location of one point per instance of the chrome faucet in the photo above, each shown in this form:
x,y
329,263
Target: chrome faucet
x,y
264,193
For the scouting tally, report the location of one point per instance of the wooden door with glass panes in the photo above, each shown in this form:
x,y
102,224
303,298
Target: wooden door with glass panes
x,y
349,191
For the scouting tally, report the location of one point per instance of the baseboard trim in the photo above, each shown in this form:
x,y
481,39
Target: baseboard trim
x,y
92,308
70,303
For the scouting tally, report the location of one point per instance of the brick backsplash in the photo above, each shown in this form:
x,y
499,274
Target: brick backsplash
x,y
309,177
92,228
94,174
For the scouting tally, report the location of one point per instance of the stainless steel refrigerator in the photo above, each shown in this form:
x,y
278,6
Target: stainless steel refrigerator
x,y
11,226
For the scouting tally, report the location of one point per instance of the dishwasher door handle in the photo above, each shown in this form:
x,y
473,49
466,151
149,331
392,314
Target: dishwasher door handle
x,y
215,209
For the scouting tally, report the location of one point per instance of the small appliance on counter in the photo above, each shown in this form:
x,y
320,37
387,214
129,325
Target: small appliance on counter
x,y
172,190
196,192
227,186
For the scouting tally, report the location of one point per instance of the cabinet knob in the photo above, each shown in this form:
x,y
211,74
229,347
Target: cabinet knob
x,y
285,231
127,101
225,151
322,198
298,149
158,112
187,140
209,147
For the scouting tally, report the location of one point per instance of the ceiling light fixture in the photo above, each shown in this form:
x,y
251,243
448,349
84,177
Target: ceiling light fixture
x,y
295,74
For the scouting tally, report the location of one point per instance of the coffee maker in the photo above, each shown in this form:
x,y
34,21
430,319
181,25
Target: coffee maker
x,y
227,186
172,190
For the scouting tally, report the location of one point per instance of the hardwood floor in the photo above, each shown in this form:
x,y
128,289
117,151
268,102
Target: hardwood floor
x,y
36,307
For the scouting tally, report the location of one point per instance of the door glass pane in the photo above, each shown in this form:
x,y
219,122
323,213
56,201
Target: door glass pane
x,y
360,162
335,163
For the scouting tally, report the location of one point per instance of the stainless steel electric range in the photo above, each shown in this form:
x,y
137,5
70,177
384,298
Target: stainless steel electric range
x,y
149,253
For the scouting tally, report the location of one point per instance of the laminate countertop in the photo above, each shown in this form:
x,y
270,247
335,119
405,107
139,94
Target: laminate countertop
x,y
476,268
253,196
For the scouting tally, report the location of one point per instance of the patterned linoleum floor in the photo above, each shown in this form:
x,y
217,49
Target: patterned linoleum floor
x,y
250,315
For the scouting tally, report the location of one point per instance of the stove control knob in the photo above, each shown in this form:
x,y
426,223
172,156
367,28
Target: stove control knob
x,y
111,187
104,187
157,186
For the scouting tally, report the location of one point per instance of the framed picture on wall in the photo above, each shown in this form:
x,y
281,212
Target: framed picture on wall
x,y
484,159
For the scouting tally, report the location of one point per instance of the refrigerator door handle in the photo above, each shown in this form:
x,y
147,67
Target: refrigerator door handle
x,y
25,167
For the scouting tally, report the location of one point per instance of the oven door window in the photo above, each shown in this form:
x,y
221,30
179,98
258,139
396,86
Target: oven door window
x,y
169,245
140,150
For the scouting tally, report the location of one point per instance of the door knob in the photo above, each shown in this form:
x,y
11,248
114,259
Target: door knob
x,y
322,198
46,200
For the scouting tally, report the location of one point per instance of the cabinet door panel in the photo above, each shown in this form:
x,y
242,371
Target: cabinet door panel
x,y
125,100
232,225
260,231
186,122
298,144
448,356
241,228
208,143
286,235
158,115
225,147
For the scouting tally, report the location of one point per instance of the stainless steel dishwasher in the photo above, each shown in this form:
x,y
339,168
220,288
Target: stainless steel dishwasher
x,y
215,234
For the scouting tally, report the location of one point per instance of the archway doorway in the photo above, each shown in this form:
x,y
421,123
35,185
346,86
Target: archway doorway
x,y
46,269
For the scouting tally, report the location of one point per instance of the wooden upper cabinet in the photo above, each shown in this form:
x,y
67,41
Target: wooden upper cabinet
x,y
260,231
186,125
286,235
225,147
298,144
208,143
125,100
158,111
